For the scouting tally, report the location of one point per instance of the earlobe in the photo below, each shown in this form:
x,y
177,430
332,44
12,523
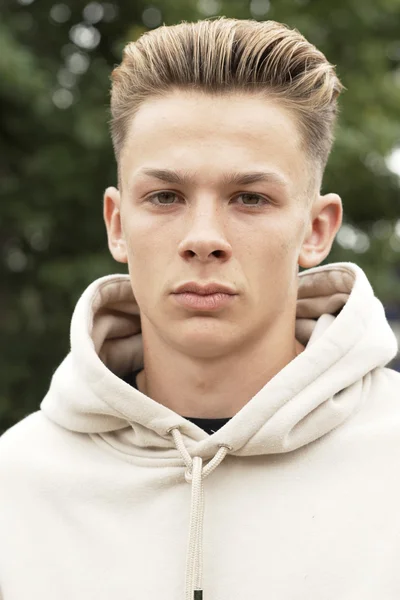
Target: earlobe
x,y
325,221
309,259
112,218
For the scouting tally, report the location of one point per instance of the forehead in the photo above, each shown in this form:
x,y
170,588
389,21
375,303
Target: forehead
x,y
210,135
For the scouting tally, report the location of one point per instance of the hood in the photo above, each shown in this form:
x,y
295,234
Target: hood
x,y
339,320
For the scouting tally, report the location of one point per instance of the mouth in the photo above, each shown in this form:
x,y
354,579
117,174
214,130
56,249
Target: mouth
x,y
206,302
205,289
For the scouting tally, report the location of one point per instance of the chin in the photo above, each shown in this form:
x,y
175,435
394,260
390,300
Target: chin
x,y
204,337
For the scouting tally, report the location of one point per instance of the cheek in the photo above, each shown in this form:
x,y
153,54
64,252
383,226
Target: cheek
x,y
147,256
290,234
276,252
140,237
281,241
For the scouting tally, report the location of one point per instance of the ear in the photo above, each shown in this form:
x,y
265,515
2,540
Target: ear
x,y
112,218
325,221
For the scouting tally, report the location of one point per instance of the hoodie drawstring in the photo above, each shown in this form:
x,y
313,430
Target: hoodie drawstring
x,y
195,473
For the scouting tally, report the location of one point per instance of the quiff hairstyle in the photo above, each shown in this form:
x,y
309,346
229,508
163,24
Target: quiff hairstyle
x,y
227,55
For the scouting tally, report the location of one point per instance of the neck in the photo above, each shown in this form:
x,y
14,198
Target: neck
x,y
217,387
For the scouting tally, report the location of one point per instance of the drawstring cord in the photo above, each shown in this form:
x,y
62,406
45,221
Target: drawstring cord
x,y
195,473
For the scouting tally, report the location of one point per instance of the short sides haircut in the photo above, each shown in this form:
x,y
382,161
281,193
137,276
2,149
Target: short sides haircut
x,y
222,56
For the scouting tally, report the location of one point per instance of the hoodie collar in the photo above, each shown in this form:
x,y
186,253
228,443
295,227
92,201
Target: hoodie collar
x,y
341,322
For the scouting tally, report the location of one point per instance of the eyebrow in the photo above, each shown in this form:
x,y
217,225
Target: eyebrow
x,y
233,178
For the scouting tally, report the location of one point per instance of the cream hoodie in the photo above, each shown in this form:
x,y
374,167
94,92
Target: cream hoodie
x,y
106,494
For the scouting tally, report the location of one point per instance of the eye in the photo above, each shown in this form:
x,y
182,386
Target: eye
x,y
258,200
168,196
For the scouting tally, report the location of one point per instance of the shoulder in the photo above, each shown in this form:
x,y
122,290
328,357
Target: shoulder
x,y
36,440
379,410
385,380
34,428
18,438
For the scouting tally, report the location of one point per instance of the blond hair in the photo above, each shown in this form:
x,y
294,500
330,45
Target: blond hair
x,y
228,55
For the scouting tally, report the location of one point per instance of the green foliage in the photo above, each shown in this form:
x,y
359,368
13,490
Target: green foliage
x,y
57,157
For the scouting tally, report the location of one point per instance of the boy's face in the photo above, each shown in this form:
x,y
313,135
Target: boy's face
x,y
249,236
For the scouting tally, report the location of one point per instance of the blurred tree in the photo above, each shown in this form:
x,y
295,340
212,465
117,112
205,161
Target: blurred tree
x,y
55,63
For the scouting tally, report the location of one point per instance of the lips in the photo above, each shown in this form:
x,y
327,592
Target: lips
x,y
204,302
204,290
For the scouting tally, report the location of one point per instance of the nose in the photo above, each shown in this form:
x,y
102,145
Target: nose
x,y
205,237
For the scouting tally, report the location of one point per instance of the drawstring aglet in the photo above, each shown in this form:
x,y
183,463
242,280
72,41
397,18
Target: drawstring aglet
x,y
198,595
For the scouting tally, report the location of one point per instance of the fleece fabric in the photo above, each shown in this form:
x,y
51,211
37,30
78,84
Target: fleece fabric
x,y
105,493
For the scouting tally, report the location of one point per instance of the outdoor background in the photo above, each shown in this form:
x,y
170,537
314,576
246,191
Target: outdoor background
x,y
56,157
